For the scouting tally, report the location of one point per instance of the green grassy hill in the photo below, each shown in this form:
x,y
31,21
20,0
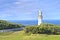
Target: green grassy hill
x,y
20,35
9,25
34,35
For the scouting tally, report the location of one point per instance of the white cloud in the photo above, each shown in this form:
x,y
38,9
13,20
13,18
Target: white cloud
x,y
16,2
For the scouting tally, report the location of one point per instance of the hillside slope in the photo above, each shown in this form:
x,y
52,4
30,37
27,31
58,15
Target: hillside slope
x,y
20,35
8,25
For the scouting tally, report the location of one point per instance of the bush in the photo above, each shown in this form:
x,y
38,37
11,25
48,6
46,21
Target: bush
x,y
43,29
29,29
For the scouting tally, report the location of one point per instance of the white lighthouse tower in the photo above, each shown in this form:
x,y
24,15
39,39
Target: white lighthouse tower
x,y
39,17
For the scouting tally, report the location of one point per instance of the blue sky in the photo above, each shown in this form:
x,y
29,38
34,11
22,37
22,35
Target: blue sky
x,y
28,9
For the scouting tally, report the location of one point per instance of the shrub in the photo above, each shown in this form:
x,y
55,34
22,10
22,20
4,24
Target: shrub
x,y
43,29
29,29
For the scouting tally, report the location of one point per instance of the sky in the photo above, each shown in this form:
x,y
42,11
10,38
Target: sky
x,y
28,9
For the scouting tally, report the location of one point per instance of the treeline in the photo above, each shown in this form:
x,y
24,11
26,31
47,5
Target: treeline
x,y
8,25
43,29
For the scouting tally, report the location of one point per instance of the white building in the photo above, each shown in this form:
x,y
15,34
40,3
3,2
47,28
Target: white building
x,y
39,17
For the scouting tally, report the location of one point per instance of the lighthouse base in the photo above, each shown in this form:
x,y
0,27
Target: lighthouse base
x,y
39,21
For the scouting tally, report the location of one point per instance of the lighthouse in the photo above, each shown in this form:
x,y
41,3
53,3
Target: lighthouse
x,y
39,17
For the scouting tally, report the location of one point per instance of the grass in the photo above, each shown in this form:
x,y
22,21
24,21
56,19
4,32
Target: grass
x,y
20,35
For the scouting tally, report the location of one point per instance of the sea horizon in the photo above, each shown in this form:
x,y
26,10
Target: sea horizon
x,y
35,22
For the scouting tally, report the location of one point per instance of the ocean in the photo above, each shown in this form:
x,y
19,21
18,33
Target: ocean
x,y
35,22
